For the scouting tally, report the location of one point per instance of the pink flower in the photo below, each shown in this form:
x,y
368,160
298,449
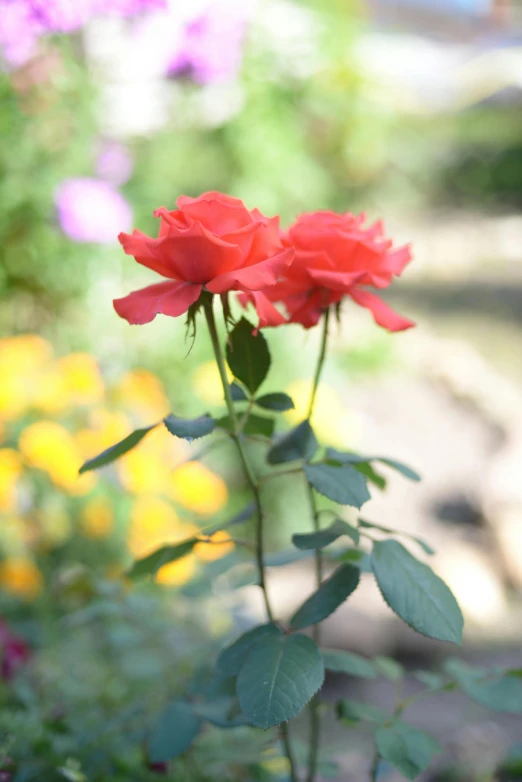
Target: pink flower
x,y
336,256
212,242
90,210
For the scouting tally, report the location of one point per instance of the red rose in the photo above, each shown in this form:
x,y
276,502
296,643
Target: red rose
x,y
212,242
334,257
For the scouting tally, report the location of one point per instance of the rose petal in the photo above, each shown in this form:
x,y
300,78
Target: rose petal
x,y
218,212
167,298
254,277
396,260
137,245
268,314
243,238
382,314
310,311
335,281
168,219
196,254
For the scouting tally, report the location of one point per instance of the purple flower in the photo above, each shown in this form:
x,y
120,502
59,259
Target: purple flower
x,y
211,48
114,163
19,31
23,22
61,16
91,210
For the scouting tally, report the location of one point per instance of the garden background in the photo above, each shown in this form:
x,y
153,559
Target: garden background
x,y
408,111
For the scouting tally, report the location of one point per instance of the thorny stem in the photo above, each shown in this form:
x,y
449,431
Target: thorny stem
x,y
254,486
315,718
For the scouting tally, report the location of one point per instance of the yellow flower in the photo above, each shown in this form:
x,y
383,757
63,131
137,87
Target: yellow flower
x,y
97,518
82,378
21,577
195,487
142,393
220,546
154,523
50,447
106,428
49,394
21,360
177,573
142,472
206,382
10,471
146,469
55,525
72,380
14,535
332,422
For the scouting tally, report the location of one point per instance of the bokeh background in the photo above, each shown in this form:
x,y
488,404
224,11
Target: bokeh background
x,y
410,111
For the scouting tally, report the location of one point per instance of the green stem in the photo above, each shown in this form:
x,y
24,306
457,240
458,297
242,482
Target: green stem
x,y
320,362
254,486
315,718
285,737
375,767
211,322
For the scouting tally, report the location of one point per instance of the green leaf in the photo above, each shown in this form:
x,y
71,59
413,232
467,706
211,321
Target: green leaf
x,y
277,401
389,668
332,592
400,467
298,443
348,457
433,681
279,678
371,475
149,565
408,749
219,713
255,424
322,538
173,733
247,355
352,664
340,484
356,557
232,659
190,428
355,711
415,593
284,557
500,691
115,451
237,393
389,531
259,424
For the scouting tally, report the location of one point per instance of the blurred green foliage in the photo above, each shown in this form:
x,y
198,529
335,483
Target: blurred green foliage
x,y
308,131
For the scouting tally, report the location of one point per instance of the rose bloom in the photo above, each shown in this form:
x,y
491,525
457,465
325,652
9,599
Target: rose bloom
x,y
212,242
335,256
